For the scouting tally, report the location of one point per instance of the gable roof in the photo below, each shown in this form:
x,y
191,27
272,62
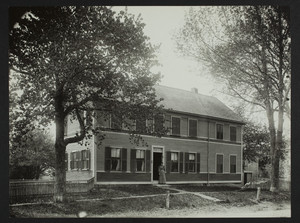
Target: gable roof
x,y
195,103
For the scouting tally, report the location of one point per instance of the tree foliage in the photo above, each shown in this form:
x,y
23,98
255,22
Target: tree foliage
x,y
75,59
248,48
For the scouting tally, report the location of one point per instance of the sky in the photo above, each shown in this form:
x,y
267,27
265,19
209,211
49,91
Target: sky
x,y
161,23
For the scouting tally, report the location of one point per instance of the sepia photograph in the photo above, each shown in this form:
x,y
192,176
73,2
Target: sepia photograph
x,y
149,111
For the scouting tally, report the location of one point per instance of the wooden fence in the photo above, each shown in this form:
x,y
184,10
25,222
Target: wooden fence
x,y
18,190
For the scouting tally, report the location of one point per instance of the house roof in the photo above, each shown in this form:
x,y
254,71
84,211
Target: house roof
x,y
195,103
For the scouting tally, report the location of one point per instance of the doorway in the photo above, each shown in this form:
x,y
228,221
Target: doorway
x,y
157,159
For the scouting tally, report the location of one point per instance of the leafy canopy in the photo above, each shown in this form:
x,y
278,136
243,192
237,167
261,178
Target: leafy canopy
x,y
79,55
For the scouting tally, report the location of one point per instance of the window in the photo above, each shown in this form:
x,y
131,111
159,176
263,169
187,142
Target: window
x,y
141,125
158,123
219,131
140,160
85,159
174,162
219,163
116,122
232,133
115,159
232,164
175,126
193,128
192,162
75,160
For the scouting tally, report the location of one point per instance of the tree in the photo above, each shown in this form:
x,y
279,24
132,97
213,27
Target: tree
x,y
76,59
32,157
248,48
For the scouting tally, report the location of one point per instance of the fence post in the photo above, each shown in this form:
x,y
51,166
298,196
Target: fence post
x,y
258,194
168,200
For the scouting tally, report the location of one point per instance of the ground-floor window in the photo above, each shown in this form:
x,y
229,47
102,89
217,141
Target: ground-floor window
x,y
140,160
192,162
174,162
232,164
115,159
219,163
79,159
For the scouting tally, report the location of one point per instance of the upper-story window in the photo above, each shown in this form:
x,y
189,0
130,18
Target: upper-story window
x,y
158,123
232,133
192,128
116,122
140,125
219,131
175,126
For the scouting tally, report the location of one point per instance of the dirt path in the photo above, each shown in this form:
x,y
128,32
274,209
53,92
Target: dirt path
x,y
264,209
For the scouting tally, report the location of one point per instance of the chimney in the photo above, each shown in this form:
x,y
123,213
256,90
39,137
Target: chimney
x,y
194,90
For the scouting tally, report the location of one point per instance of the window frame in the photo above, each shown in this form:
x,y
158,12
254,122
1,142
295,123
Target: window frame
x,y
222,125
194,162
233,155
137,159
221,154
233,126
171,162
116,158
178,117
162,123
86,159
193,119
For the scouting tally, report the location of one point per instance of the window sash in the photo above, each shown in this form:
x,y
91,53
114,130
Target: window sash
x,y
219,131
232,164
174,162
140,125
158,123
219,163
175,126
232,133
193,128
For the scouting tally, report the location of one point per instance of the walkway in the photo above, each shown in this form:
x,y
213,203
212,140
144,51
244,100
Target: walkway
x,y
168,187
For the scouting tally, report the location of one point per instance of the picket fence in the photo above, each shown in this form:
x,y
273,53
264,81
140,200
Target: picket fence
x,y
20,189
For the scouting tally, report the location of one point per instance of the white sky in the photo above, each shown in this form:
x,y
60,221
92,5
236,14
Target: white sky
x,y
161,22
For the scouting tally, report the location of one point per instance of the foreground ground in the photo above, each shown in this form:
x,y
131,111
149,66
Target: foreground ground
x,y
150,201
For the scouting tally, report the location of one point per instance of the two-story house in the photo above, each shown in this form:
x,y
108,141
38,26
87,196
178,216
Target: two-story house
x,y
204,145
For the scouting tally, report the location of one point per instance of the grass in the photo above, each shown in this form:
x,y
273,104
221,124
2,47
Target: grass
x,y
230,195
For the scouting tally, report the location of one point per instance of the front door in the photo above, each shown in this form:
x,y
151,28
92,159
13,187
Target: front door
x,y
157,159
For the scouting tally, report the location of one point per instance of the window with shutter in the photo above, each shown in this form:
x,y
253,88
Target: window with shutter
x,y
232,164
174,162
158,123
233,133
219,131
140,160
193,128
192,162
133,160
175,126
219,163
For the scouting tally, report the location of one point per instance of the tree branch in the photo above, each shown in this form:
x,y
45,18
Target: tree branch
x,y
80,137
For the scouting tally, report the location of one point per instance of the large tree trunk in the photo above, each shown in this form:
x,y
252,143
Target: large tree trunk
x,y
60,148
273,152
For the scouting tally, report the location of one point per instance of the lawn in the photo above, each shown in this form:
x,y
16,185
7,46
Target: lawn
x,y
230,196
